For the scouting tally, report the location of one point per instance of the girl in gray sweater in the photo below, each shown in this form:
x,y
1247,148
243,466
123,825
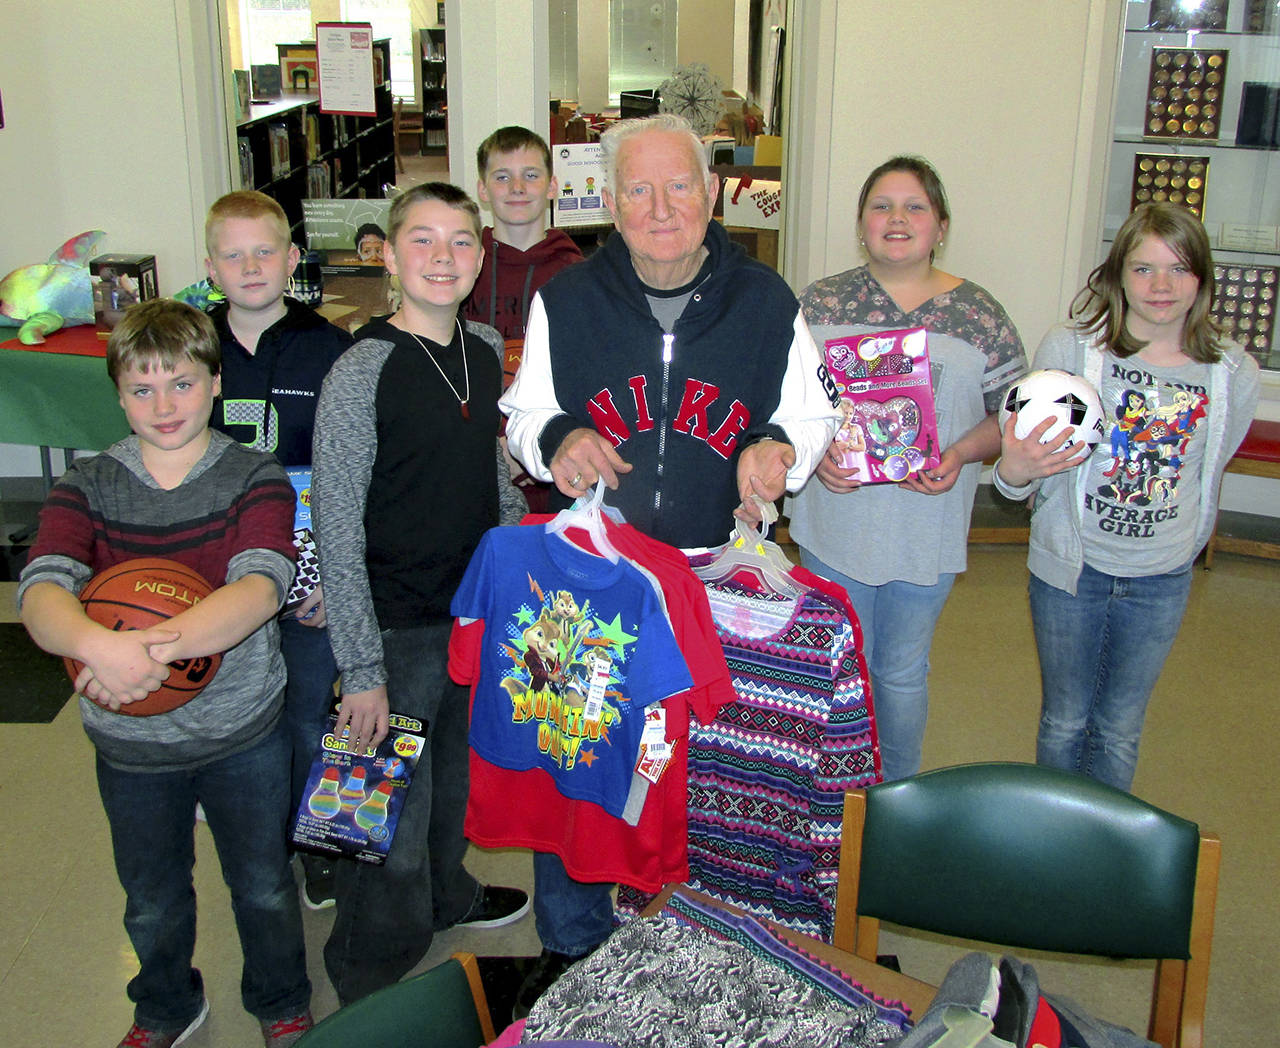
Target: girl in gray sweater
x,y
1114,531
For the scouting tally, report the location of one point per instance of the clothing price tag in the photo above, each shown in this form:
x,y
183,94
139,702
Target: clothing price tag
x,y
655,751
650,767
658,751
655,725
595,692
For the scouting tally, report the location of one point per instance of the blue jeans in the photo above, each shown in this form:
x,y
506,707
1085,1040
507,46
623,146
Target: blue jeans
x,y
387,915
898,620
572,917
308,695
152,817
1101,653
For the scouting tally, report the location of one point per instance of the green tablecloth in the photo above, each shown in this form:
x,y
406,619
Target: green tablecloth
x,y
59,401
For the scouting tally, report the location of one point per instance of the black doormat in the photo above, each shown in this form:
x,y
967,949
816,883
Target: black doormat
x,y
33,684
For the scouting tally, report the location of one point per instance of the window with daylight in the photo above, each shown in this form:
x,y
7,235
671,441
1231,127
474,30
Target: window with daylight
x,y
389,18
642,44
265,23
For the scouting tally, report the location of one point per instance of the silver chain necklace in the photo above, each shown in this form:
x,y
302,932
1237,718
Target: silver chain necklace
x,y
466,373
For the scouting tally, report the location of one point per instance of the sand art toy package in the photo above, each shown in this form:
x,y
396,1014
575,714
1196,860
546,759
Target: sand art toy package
x,y
353,800
888,428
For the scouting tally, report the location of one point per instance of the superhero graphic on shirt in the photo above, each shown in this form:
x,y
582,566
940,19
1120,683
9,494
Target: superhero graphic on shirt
x,y
1148,445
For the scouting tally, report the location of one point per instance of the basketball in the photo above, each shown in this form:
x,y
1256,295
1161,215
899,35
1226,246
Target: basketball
x,y
1056,394
136,595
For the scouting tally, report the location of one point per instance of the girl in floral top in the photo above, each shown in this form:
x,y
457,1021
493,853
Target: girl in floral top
x,y
898,547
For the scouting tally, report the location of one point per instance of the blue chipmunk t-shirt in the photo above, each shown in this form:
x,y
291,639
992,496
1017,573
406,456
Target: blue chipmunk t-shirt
x,y
575,648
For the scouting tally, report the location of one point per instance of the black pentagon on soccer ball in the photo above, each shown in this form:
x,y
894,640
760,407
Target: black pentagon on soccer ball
x,y
1013,402
1076,408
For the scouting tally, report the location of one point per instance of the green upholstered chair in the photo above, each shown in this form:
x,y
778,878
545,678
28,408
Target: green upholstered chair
x,y
1024,856
441,1008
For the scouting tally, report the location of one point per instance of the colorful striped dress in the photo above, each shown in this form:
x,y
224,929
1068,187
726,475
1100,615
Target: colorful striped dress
x,y
767,777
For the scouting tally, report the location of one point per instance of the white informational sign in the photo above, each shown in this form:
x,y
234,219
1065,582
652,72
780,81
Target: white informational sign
x,y
579,171
344,66
752,202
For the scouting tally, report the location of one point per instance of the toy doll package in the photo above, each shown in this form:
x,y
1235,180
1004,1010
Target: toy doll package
x,y
352,801
889,429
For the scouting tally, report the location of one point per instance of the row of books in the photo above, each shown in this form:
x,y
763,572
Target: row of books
x,y
345,131
278,140
324,177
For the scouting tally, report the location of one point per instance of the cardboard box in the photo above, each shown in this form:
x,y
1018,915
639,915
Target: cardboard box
x,y
121,281
768,150
755,203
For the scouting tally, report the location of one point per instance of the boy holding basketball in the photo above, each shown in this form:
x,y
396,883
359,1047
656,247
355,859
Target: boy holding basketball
x,y
177,490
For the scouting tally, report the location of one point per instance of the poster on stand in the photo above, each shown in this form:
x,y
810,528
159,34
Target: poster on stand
x,y
349,234
579,172
344,67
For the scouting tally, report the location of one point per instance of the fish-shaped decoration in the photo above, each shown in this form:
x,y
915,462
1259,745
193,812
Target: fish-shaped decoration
x,y
49,295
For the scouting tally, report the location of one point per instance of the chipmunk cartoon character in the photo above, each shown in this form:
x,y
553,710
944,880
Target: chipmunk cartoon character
x,y
581,672
541,657
565,612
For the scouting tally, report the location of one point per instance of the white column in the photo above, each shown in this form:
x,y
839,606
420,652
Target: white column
x,y
497,69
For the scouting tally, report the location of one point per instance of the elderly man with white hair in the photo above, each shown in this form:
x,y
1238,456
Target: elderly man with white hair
x,y
669,363
682,373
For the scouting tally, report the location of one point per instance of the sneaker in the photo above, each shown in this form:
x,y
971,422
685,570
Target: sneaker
x,y
287,1031
141,1037
317,883
496,907
548,967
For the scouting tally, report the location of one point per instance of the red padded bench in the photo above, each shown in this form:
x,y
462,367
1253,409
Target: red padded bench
x,y
1257,456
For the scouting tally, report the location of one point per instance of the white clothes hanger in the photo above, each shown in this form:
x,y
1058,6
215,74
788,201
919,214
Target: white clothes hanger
x,y
587,514
748,550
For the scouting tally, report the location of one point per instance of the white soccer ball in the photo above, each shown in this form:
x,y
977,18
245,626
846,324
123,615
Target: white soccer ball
x,y
1057,394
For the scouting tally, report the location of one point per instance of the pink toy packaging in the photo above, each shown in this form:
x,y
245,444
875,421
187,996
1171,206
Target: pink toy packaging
x,y
889,429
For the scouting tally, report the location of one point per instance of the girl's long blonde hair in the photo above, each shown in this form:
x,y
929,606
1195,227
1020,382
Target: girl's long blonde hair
x,y
1101,308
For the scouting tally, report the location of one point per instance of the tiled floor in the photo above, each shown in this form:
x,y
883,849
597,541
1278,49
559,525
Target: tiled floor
x,y
1209,754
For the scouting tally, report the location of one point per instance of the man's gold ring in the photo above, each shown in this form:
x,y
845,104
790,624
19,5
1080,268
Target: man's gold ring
x,y
577,481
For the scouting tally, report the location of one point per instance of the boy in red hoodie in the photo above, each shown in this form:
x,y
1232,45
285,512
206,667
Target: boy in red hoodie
x,y
520,255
